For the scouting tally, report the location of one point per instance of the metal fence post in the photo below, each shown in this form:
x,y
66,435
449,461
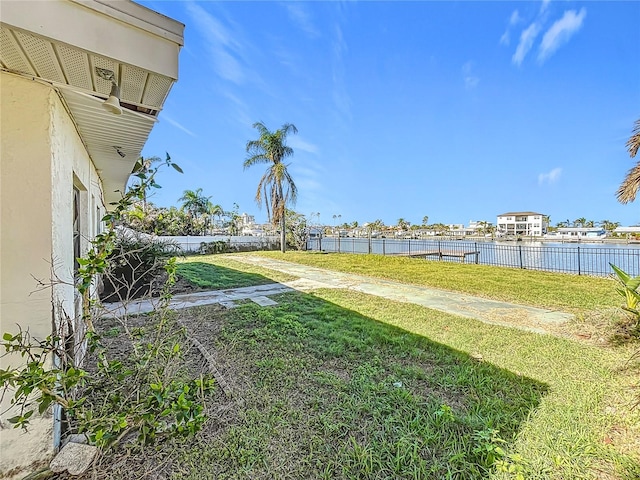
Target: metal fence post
x,y
520,252
477,251
369,242
409,247
338,242
578,260
384,251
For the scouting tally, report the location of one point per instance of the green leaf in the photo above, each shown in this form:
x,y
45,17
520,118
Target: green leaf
x,y
7,337
15,420
633,283
177,168
44,404
622,275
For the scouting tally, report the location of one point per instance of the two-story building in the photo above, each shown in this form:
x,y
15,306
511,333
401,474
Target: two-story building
x,y
531,224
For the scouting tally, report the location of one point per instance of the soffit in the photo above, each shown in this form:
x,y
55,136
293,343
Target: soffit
x,y
105,134
141,50
62,64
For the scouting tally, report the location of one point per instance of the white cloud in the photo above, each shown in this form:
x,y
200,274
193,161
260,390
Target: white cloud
x,y
177,125
544,6
505,39
527,37
514,19
300,16
223,46
340,93
470,80
239,109
551,177
308,175
560,32
297,143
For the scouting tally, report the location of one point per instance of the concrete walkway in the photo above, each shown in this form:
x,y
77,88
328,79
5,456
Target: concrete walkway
x,y
485,310
311,278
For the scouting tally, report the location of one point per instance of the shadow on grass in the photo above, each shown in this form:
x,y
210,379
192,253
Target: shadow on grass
x,y
207,276
330,393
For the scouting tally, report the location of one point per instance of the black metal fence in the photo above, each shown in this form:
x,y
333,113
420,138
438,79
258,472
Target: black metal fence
x,y
581,259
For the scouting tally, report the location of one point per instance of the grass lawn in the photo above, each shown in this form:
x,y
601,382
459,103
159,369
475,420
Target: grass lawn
x,y
542,289
215,272
339,384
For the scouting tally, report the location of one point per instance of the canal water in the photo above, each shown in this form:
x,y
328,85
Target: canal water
x,y
577,258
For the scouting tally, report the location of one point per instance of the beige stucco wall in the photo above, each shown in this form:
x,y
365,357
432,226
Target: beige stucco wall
x,y
41,157
70,166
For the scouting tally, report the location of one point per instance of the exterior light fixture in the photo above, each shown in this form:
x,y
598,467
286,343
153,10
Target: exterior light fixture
x,y
111,104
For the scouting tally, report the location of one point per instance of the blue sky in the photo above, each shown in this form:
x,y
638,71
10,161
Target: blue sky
x,y
456,110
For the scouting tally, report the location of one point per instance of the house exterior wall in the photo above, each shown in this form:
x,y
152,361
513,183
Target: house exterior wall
x,y
41,157
25,242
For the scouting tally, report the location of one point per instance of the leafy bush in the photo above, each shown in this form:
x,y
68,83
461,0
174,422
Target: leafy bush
x,y
136,393
219,246
136,265
628,289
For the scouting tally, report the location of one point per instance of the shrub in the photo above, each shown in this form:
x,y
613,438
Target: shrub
x,y
138,394
136,266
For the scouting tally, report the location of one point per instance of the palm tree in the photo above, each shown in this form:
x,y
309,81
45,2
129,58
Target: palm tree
x,y
403,224
631,183
425,220
212,212
608,225
195,203
579,222
276,187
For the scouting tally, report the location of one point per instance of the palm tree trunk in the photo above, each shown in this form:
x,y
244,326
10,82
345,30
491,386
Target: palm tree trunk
x,y
283,245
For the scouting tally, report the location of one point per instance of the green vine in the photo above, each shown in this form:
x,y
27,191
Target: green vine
x,y
141,396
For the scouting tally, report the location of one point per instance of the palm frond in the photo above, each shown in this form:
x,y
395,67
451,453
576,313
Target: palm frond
x,y
288,128
633,145
630,185
293,190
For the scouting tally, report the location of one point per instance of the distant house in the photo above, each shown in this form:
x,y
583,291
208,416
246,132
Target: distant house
x,y
63,155
531,224
627,231
247,220
315,232
581,232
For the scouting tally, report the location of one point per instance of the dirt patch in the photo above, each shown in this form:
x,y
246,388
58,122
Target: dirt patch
x,y
129,461
183,286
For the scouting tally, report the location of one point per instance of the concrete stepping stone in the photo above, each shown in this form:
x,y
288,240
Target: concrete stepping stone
x,y
228,304
263,301
75,458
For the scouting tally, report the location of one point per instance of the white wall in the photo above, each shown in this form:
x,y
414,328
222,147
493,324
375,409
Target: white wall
x,y
40,156
192,243
25,241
